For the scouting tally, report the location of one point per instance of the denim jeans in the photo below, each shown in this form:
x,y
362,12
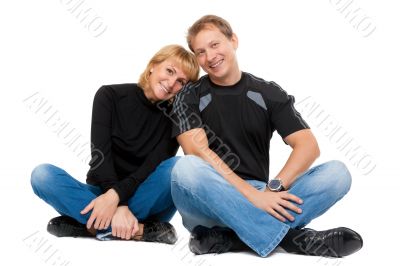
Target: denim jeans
x,y
152,200
203,197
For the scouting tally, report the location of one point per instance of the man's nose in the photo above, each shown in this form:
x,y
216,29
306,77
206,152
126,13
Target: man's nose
x,y
210,55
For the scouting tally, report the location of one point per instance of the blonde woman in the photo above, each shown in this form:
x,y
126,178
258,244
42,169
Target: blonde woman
x,y
127,195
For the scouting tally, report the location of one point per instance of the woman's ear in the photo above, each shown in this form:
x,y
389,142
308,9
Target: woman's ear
x,y
151,70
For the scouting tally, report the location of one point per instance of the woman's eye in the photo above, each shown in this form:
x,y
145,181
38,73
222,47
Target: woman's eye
x,y
170,71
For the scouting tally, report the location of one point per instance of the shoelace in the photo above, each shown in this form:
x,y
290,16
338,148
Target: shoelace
x,y
327,243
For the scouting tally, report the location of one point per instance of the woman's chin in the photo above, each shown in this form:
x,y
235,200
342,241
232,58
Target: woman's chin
x,y
163,97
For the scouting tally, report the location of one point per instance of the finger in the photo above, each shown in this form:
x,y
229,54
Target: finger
x,y
129,229
114,230
130,233
97,223
276,215
107,224
91,220
286,195
134,232
126,234
135,229
284,213
102,224
88,207
290,206
119,232
122,233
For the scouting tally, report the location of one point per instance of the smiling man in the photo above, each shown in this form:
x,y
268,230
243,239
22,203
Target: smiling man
x,y
229,202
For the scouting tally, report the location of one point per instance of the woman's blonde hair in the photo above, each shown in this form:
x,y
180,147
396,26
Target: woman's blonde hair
x,y
186,60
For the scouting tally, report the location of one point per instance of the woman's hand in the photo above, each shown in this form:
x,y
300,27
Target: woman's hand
x,y
277,203
124,224
103,208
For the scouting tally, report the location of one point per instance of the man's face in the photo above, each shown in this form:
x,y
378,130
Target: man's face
x,y
216,54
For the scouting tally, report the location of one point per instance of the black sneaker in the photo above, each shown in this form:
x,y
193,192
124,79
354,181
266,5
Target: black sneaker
x,y
218,240
162,232
337,242
62,226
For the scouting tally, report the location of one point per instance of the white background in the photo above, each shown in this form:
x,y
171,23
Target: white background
x,y
308,47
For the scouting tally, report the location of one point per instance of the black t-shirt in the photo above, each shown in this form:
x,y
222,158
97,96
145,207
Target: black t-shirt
x,y
130,138
239,120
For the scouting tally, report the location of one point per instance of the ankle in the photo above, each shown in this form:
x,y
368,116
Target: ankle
x,y
138,236
92,231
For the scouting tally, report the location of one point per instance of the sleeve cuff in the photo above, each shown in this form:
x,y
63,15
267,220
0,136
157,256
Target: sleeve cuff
x,y
125,189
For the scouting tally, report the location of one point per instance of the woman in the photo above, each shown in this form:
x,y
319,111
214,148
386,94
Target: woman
x,y
127,195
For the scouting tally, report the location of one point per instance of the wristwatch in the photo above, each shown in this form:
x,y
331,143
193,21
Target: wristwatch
x,y
275,185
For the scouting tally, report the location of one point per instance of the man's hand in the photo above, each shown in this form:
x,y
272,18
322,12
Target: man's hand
x,y
103,208
124,224
277,203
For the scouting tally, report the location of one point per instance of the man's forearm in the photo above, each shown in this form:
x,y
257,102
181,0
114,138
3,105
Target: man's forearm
x,y
301,158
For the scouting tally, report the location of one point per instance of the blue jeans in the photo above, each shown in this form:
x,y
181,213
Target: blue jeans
x,y
203,197
68,196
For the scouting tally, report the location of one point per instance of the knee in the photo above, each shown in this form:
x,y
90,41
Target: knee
x,y
165,170
169,163
340,177
191,172
185,168
40,176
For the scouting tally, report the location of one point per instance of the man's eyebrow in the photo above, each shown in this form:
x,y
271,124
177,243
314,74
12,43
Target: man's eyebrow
x,y
208,44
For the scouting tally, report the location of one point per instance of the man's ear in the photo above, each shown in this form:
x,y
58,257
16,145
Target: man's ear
x,y
235,41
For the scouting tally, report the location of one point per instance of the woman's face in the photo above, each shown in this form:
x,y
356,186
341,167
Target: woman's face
x,y
166,80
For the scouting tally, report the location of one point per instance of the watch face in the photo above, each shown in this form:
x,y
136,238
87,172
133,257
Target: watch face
x,y
274,184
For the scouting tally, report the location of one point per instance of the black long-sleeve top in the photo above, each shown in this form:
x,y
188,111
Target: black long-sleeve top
x,y
130,137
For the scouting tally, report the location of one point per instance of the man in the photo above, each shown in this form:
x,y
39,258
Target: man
x,y
224,123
